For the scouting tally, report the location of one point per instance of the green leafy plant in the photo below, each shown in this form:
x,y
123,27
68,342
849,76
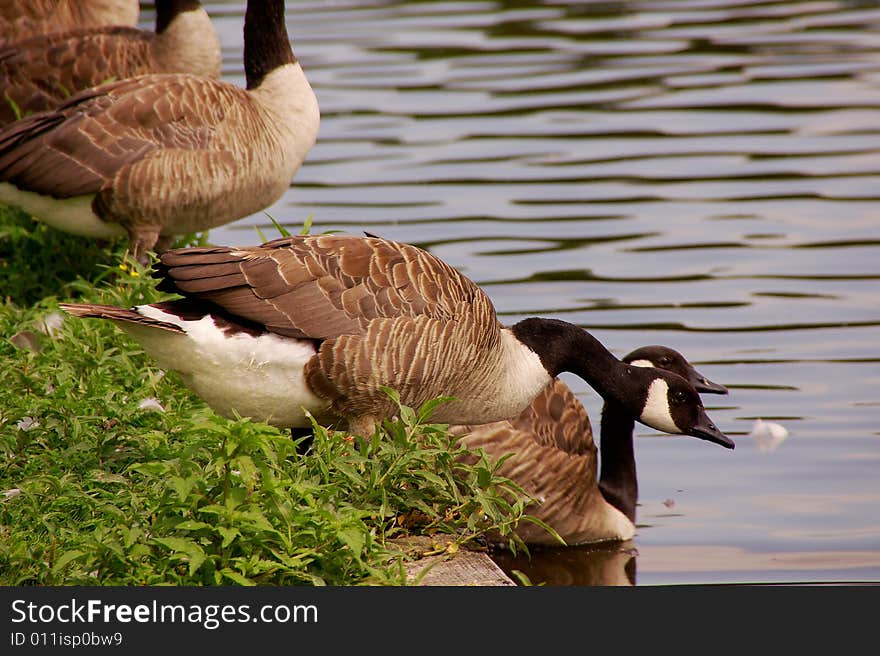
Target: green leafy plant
x,y
282,231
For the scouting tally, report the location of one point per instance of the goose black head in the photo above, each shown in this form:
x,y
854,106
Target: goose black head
x,y
670,403
656,397
663,357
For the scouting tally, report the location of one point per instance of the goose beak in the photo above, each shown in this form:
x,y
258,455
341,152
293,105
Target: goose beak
x,y
706,430
703,385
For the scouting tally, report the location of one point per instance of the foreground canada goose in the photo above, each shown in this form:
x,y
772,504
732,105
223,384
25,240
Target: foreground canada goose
x,y
157,156
555,459
39,73
321,323
20,19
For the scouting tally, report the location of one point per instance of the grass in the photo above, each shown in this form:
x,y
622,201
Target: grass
x,y
113,473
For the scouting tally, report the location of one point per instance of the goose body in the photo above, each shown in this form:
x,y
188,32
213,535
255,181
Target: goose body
x,y
21,19
41,72
161,155
357,314
555,459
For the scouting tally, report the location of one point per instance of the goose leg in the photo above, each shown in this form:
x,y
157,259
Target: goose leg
x,y
164,242
143,240
364,425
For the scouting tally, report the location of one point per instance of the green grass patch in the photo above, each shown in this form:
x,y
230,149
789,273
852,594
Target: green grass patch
x,y
113,473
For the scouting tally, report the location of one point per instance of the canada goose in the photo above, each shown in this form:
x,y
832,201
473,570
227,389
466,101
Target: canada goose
x,y
323,322
555,459
161,155
20,19
39,73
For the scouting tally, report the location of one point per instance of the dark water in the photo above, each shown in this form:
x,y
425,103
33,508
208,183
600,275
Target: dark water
x,y
697,173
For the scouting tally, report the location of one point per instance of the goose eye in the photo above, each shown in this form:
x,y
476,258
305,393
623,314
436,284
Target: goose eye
x,y
664,359
679,397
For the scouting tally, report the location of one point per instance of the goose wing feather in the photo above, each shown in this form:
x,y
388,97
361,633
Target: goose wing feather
x,y
98,133
555,420
40,72
558,419
563,483
323,286
117,314
20,19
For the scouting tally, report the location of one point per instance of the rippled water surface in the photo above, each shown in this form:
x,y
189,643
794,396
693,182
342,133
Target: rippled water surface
x,y
696,173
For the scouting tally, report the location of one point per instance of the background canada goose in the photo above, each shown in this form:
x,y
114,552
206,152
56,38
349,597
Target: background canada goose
x,y
555,458
40,72
324,322
161,155
20,19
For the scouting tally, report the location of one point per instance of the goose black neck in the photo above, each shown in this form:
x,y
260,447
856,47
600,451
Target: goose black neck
x,y
266,44
168,10
617,478
562,346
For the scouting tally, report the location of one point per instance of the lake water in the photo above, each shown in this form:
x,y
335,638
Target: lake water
x,y
696,173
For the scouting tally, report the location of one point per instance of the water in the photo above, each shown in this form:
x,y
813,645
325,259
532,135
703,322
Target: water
x,y
696,173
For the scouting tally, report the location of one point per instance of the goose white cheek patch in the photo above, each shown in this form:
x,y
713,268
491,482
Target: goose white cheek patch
x,y
656,412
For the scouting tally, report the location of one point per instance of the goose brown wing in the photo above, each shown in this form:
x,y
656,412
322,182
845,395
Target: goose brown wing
x,y
563,483
12,11
88,140
557,418
20,19
39,73
325,286
555,421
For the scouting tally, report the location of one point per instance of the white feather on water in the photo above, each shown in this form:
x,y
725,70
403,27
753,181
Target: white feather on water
x,y
768,435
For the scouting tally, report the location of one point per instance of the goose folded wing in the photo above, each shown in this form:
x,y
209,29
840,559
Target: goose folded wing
x,y
38,73
324,286
558,478
558,419
56,49
79,147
